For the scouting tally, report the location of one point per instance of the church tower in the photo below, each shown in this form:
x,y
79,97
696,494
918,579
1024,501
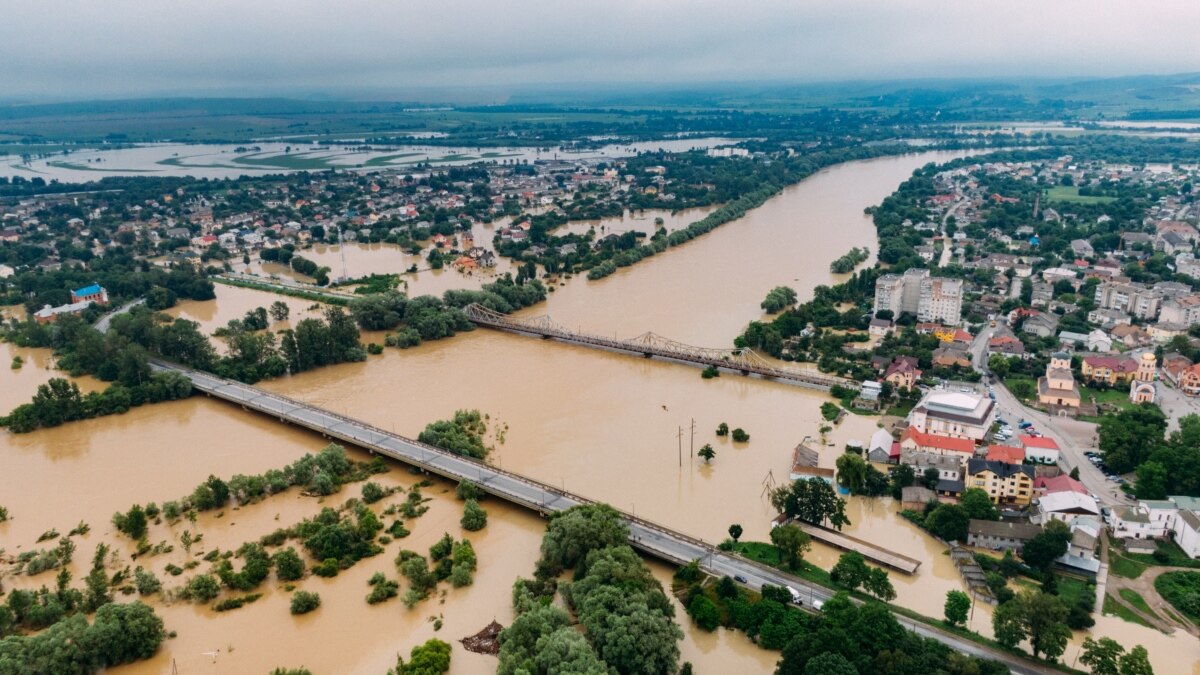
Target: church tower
x,y
1141,390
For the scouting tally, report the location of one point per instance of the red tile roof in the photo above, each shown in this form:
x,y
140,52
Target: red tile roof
x,y
1038,442
1060,483
1006,454
1114,363
964,445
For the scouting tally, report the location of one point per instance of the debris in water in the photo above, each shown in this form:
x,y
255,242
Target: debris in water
x,y
486,641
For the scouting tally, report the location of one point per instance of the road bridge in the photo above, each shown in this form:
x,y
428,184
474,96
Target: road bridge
x,y
650,538
649,345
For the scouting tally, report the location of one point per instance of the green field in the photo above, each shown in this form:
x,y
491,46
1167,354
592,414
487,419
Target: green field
x,y
1070,195
1125,567
1181,590
1117,609
1134,598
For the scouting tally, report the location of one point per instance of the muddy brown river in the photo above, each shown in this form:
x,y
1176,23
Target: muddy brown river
x,y
603,425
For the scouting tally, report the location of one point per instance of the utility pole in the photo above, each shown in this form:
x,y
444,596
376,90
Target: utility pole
x,y
680,437
692,448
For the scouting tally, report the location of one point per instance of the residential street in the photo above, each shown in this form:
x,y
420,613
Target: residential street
x,y
1073,436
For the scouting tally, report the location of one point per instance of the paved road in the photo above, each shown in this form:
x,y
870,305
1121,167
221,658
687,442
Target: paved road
x,y
1073,436
106,320
650,538
947,245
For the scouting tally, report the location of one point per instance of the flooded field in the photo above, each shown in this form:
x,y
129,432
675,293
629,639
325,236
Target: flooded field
x,y
608,426
250,159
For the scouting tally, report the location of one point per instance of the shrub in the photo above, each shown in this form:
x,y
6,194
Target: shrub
x,y
474,516
304,602
740,436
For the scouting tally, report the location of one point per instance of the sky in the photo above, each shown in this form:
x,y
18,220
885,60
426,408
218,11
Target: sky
x,y
79,49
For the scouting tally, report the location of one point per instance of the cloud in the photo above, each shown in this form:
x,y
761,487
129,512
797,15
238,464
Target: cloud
x,y
73,49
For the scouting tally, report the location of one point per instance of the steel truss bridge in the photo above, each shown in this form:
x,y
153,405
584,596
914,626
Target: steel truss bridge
x,y
744,361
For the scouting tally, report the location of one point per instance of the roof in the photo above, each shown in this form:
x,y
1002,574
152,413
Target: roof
x,y
1006,453
882,439
1192,520
916,493
1068,501
1059,483
1186,503
1133,515
940,442
1043,442
1007,530
89,290
947,485
1113,363
1001,469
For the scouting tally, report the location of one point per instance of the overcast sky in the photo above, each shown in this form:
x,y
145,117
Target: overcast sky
x,y
74,49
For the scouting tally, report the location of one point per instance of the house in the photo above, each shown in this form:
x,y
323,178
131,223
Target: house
x,y
1110,370
1004,483
1070,340
1060,483
926,451
1186,530
903,373
1039,449
1006,454
1065,505
954,414
1006,345
48,314
915,497
1000,535
1162,333
1107,318
1174,363
880,448
951,356
1041,325
1085,535
88,294
1189,380
1130,336
880,327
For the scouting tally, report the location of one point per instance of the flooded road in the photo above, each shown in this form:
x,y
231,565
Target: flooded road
x,y
608,426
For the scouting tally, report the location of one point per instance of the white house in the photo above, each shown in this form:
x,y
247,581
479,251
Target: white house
x,y
1039,449
954,414
1065,506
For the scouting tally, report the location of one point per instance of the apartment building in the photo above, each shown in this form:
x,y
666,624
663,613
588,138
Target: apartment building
x,y
1132,298
931,299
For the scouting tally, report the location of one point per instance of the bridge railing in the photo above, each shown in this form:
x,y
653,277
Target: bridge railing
x,y
743,359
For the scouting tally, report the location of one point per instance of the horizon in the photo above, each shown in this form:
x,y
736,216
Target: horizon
x,y
127,50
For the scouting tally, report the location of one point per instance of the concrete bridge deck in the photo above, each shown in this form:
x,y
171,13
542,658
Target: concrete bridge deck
x,y
650,538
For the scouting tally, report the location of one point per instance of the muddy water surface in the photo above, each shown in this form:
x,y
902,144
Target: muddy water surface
x,y
604,425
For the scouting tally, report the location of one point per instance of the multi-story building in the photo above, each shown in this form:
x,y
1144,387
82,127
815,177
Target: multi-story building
x,y
1183,310
1110,370
1133,298
915,292
1004,483
941,300
954,414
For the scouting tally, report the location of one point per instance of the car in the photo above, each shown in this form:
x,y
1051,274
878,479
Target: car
x,y
818,605
740,579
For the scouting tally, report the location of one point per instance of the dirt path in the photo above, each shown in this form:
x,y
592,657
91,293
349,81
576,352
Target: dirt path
x,y
1166,613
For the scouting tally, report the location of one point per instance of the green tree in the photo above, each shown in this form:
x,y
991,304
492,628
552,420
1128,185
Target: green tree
x,y
879,585
304,602
978,505
704,612
1151,481
474,516
430,658
735,531
949,522
1046,546
706,453
288,565
851,571
1102,656
279,310
573,533
792,543
201,588
1129,436
722,429
1008,625
957,606
931,478
851,472
1045,616
829,663
1136,662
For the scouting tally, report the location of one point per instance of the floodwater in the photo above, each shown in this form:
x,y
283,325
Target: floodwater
x,y
223,161
607,426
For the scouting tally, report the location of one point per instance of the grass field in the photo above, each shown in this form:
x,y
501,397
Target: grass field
x,y
1116,609
1134,598
1125,567
768,555
1180,589
1070,195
